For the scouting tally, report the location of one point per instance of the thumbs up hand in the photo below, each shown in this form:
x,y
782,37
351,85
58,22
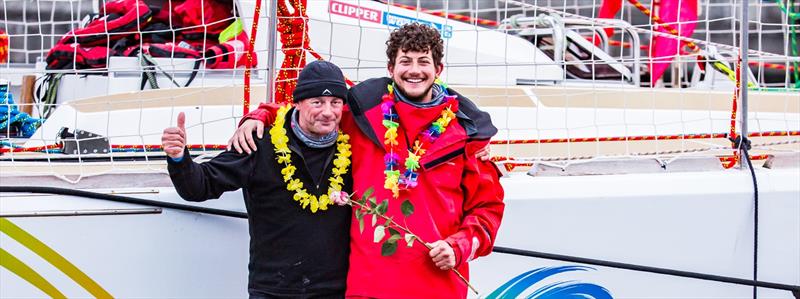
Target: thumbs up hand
x,y
173,140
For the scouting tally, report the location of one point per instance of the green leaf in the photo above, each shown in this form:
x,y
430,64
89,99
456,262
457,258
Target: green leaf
x,y
361,225
374,219
359,214
394,238
383,207
388,249
407,207
380,232
368,193
388,222
410,239
393,231
372,201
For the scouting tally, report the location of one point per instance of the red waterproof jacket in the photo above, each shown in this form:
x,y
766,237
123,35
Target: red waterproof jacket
x,y
458,199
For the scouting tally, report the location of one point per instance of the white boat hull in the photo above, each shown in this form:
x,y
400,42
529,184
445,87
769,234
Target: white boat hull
x,y
690,221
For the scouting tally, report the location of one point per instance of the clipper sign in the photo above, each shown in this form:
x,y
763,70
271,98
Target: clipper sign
x,y
383,17
354,11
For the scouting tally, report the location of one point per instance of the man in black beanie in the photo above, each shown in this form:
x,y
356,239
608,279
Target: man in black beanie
x,y
298,237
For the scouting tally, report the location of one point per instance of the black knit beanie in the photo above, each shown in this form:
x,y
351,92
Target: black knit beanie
x,y
320,78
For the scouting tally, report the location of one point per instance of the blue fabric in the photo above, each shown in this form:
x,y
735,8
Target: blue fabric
x,y
178,160
10,116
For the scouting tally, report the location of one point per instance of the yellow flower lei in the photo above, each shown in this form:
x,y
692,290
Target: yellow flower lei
x,y
283,154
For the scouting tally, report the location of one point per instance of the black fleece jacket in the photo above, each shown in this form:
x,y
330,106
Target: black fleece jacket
x,y
293,252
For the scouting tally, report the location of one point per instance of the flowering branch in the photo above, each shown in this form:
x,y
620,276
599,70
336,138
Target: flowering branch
x,y
367,205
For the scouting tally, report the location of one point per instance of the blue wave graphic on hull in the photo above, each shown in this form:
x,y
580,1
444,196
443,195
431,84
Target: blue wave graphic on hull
x,y
515,287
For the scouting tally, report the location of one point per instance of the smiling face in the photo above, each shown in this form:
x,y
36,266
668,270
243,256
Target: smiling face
x,y
414,73
321,115
415,54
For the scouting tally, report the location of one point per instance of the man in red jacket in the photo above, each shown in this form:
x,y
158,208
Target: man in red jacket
x,y
405,120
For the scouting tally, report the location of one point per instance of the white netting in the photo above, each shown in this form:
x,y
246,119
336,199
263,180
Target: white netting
x,y
558,86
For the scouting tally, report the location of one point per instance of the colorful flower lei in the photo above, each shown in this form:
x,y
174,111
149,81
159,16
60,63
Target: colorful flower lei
x,y
283,154
393,179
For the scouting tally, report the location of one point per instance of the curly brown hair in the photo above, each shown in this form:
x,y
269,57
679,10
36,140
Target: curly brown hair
x,y
415,37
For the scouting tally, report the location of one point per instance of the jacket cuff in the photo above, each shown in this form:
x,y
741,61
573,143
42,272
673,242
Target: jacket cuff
x,y
458,250
258,114
180,163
